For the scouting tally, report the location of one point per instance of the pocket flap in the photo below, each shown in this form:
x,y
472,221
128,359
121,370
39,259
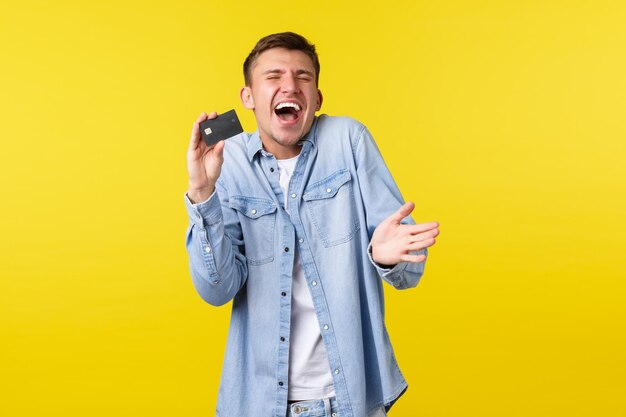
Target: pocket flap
x,y
252,207
328,187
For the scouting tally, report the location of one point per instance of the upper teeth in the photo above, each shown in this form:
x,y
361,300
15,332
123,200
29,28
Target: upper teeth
x,y
283,105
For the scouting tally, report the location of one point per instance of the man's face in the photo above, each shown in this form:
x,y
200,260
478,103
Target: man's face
x,y
284,96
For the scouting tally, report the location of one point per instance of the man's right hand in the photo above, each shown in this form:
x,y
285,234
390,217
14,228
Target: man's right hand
x,y
204,163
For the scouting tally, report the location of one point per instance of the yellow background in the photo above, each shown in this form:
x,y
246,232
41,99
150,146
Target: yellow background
x,y
502,120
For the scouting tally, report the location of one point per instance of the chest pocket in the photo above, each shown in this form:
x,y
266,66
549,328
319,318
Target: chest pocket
x,y
330,205
258,218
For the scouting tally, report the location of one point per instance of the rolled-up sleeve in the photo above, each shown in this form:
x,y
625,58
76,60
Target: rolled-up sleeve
x,y
403,275
218,267
381,198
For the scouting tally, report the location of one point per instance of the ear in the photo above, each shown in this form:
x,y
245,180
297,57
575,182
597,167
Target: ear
x,y
320,98
245,95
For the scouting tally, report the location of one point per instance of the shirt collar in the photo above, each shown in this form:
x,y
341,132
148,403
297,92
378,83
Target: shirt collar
x,y
255,145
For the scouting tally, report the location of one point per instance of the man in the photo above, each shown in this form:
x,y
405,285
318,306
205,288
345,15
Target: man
x,y
297,223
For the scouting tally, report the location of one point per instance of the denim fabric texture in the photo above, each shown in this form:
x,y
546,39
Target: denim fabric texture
x,y
241,243
326,407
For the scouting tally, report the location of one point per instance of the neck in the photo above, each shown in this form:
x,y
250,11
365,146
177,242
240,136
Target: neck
x,y
281,151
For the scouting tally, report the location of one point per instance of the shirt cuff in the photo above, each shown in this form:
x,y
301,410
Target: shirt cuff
x,y
403,275
207,212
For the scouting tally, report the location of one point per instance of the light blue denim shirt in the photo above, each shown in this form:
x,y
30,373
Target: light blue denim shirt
x,y
241,245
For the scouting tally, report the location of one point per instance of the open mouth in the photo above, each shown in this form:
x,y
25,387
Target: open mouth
x,y
287,111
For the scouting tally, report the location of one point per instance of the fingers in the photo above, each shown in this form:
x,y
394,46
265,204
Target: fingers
x,y
415,229
413,258
431,233
422,244
402,212
422,240
195,130
203,116
196,126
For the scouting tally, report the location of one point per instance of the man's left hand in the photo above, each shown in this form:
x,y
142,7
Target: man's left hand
x,y
393,242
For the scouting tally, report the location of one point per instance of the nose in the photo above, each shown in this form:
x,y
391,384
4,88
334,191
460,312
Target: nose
x,y
289,84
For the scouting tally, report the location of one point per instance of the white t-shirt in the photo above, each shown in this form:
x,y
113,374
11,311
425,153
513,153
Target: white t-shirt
x,y
309,371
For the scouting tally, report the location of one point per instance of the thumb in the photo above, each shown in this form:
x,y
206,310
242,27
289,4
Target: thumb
x,y
402,212
218,151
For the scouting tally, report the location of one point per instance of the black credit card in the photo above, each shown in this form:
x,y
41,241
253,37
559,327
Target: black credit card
x,y
224,126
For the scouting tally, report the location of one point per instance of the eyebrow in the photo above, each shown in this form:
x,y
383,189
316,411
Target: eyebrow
x,y
281,71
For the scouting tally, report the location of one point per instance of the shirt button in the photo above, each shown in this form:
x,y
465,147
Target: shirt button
x,y
280,383
314,283
286,249
207,249
336,371
293,195
282,339
301,240
253,211
326,327
283,293
328,190
271,169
